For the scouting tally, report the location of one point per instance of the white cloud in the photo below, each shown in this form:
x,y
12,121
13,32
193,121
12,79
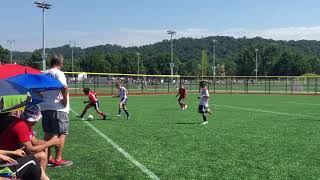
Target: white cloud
x,y
137,37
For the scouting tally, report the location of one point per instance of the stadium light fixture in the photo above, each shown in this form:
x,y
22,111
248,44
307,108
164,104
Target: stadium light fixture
x,y
43,5
11,42
171,33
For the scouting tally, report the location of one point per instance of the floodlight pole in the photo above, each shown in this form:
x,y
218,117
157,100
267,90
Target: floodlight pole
x,y
256,50
138,54
171,64
43,5
10,42
74,45
214,58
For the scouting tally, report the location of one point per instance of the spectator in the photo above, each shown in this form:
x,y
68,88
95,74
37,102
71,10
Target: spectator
x,y
19,134
15,164
55,109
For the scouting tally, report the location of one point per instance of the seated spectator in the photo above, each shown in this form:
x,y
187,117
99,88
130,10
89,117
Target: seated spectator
x,y
15,164
19,134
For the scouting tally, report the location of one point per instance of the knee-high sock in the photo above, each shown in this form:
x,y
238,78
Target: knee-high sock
x,y
204,116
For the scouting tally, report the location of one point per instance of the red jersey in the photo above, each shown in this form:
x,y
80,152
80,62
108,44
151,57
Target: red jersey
x,y
92,97
182,92
16,133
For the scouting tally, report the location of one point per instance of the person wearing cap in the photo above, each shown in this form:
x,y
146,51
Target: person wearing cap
x,y
19,134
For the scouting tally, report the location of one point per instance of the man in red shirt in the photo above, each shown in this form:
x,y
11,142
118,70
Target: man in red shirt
x,y
182,96
93,102
19,134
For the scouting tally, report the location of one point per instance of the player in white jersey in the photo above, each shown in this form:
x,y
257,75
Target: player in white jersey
x,y
123,94
204,105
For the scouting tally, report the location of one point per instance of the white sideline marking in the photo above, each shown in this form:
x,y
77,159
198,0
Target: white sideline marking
x,y
271,112
291,102
122,151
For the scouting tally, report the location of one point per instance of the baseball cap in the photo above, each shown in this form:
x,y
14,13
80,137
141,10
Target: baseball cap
x,y
31,113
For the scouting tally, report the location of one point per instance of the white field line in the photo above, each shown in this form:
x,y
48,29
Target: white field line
x,y
271,112
122,151
292,102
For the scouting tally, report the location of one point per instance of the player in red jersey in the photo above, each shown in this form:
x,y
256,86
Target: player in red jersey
x,y
93,102
182,96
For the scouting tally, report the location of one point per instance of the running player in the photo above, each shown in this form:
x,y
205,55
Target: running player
x,y
182,96
93,102
123,94
203,105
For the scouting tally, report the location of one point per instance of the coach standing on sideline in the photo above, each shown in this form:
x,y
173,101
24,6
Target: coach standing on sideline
x,y
55,109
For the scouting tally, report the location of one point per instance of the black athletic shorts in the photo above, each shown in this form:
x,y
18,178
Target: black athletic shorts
x,y
28,168
95,105
201,109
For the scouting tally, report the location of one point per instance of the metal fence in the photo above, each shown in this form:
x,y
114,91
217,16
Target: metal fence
x,y
104,83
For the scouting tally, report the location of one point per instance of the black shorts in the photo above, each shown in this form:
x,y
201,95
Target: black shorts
x,y
95,105
201,109
28,167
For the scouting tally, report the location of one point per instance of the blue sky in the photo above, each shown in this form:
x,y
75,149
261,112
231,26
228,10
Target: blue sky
x,y
139,22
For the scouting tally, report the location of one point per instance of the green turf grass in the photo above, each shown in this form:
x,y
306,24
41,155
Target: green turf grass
x,y
249,137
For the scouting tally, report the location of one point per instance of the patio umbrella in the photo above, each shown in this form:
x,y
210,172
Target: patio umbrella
x,y
9,88
14,96
36,82
10,70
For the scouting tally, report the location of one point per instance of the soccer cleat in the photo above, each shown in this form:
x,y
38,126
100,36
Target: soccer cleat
x,y
62,163
185,107
104,117
51,163
208,111
80,116
118,115
205,122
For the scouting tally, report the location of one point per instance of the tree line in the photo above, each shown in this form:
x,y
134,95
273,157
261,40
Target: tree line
x,y
237,55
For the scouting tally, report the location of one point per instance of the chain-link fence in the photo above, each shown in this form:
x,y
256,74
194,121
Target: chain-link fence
x,y
104,83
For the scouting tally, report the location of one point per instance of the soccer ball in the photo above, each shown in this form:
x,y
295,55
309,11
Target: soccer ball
x,y
90,117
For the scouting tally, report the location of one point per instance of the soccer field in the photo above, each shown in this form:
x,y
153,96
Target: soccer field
x,y
249,137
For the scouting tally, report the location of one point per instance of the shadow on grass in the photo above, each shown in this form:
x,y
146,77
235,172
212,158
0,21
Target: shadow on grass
x,y
187,123
116,177
78,119
169,109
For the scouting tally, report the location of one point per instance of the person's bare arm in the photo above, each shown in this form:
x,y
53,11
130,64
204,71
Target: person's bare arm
x,y
31,147
6,158
18,152
65,92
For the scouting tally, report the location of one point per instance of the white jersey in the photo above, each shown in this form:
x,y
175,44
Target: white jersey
x,y
204,95
123,93
51,99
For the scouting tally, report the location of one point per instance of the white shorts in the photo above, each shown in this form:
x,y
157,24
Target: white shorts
x,y
124,101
